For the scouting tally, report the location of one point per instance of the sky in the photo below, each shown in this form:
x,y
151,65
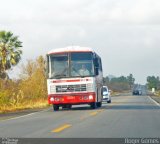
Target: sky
x,y
125,33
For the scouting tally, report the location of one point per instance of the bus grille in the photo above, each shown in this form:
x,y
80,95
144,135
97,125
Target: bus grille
x,y
71,88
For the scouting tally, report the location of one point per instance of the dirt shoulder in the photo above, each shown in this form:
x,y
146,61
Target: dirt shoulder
x,y
9,115
156,98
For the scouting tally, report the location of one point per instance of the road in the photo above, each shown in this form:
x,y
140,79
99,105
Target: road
x,y
127,116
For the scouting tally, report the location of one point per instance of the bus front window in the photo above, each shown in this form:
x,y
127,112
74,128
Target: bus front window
x,y
58,66
81,64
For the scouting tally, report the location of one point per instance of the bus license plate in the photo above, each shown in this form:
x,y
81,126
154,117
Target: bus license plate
x,y
70,97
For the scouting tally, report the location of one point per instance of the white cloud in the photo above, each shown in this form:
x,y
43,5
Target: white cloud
x,y
124,32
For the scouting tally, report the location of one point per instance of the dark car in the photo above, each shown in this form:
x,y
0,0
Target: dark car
x,y
137,92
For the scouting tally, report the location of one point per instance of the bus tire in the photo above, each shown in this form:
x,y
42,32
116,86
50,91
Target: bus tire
x,y
69,106
109,101
93,105
55,107
99,104
64,106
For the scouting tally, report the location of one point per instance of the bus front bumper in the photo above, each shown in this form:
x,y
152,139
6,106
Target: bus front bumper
x,y
80,98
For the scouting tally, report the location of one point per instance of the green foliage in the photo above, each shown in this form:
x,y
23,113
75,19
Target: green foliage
x,y
121,83
130,80
153,82
10,52
120,79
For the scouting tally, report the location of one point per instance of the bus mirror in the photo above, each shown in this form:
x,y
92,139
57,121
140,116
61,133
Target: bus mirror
x,y
96,62
97,71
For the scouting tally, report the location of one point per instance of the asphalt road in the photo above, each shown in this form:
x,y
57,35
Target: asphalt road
x,y
127,116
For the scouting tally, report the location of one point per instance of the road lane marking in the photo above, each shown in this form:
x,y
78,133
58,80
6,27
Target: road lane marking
x,y
5,118
25,115
14,118
61,128
154,101
82,118
93,113
101,110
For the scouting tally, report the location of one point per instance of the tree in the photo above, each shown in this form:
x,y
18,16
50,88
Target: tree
x,y
130,80
27,70
10,52
106,80
34,83
119,83
153,82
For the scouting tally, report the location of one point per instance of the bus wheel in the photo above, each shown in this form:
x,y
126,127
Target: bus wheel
x,y
55,107
69,106
93,105
64,106
99,104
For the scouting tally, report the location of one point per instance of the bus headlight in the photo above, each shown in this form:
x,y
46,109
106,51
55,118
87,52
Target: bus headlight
x,y
51,99
90,97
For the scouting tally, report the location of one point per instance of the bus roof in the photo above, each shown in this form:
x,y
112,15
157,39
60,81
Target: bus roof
x,y
71,49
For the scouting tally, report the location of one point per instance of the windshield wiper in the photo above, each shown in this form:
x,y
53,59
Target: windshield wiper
x,y
59,76
76,71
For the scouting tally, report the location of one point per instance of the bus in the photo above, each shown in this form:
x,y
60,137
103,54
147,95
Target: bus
x,y
74,77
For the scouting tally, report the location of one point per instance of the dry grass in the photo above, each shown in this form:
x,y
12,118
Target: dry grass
x,y
32,104
28,92
157,93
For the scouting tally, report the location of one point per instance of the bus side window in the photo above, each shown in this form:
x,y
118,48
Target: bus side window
x,y
96,66
100,65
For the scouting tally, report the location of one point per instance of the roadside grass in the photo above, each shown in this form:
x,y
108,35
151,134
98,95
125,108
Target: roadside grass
x,y
114,93
28,104
155,96
157,93
117,93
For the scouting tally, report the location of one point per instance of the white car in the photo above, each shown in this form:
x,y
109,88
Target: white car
x,y
106,94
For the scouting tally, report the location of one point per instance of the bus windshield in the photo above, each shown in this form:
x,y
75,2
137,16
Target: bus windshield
x,y
59,66
75,64
81,64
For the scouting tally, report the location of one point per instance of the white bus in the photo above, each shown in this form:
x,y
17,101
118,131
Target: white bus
x,y
74,76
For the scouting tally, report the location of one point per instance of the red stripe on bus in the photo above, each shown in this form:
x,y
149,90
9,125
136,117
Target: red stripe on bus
x,y
78,80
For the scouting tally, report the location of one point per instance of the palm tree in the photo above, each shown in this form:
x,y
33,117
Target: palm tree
x,y
10,52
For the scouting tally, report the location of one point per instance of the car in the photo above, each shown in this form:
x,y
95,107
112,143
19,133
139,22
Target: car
x,y
137,92
106,94
140,92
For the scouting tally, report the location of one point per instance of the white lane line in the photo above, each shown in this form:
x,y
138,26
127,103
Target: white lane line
x,y
13,118
154,101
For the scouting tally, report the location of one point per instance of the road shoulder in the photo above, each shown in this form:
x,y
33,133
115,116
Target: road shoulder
x,y
156,98
9,115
